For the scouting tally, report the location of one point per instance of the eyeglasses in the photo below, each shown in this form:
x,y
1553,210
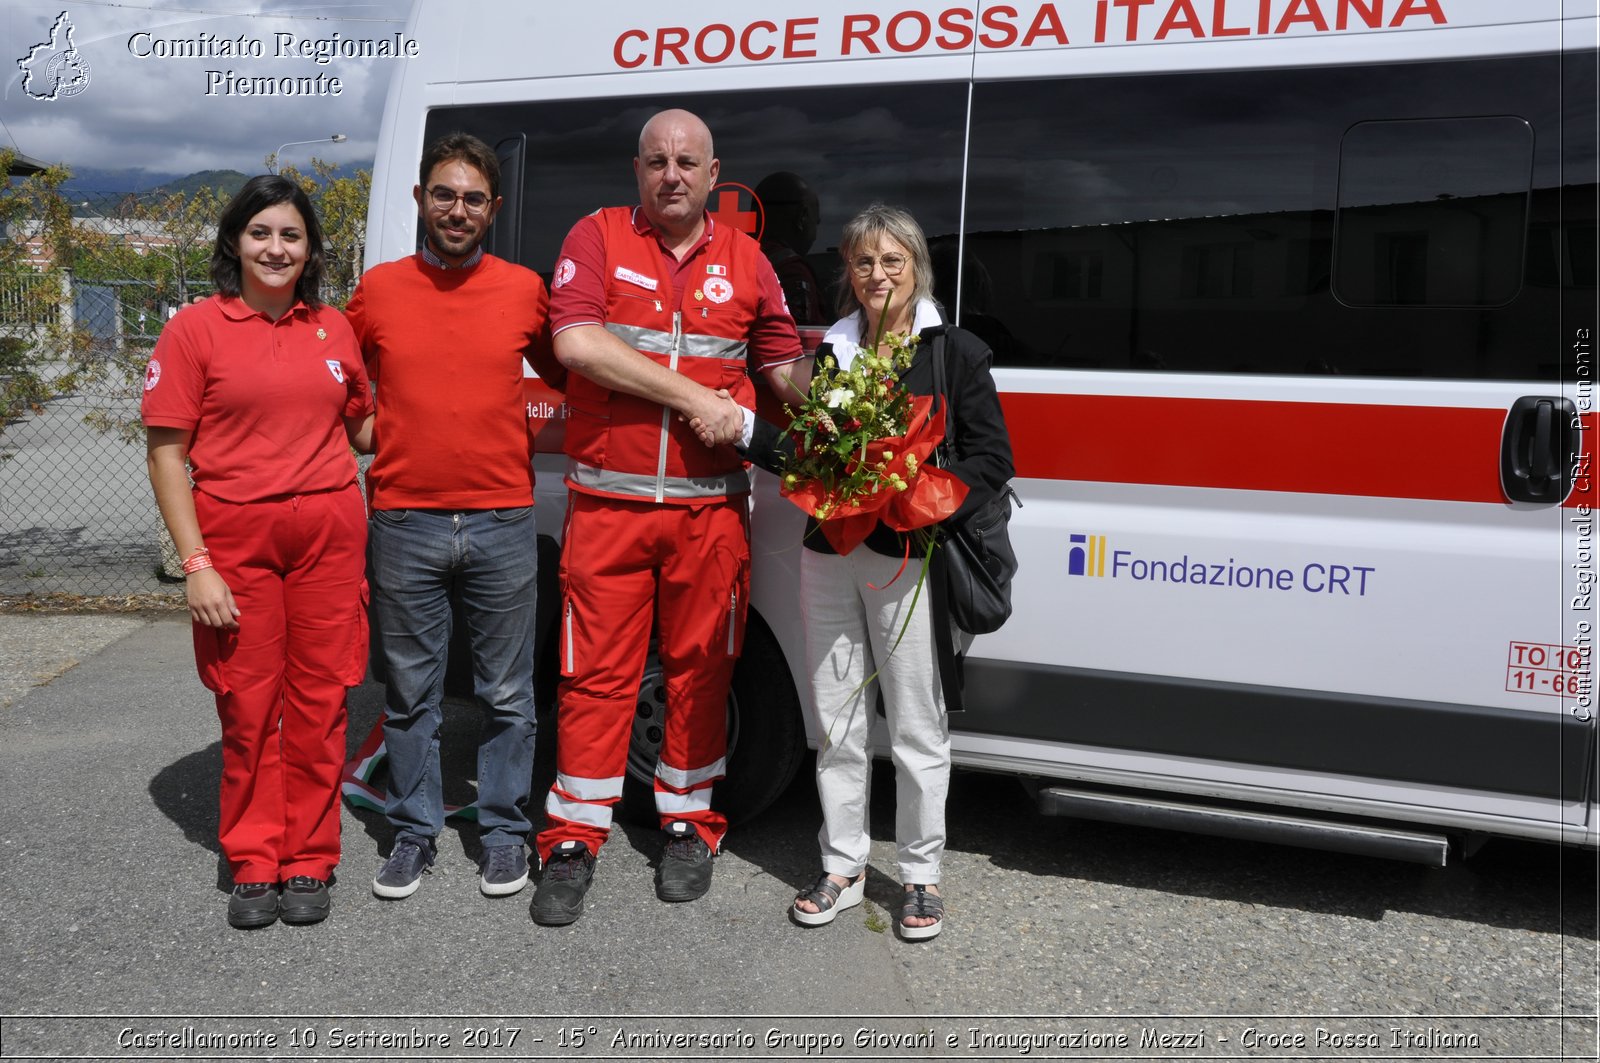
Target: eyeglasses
x,y
891,264
444,198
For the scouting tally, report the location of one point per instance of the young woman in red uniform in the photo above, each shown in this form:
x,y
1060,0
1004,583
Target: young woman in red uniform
x,y
256,396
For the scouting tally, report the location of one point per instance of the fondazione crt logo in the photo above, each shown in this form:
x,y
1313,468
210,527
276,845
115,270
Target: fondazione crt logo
x,y
54,68
1089,555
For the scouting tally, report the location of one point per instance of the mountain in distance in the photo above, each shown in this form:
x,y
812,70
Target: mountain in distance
x,y
90,183
101,186
107,191
226,182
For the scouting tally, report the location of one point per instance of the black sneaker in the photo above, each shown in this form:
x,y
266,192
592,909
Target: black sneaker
x,y
567,874
505,870
684,873
253,904
401,874
304,900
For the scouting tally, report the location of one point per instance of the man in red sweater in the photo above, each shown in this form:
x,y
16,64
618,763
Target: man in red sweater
x,y
444,333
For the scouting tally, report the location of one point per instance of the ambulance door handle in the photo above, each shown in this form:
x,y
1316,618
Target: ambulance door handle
x,y
1537,449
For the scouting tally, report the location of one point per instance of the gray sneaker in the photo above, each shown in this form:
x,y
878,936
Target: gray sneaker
x,y
684,873
505,870
401,874
567,874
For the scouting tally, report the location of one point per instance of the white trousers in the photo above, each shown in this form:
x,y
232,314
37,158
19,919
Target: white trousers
x,y
850,630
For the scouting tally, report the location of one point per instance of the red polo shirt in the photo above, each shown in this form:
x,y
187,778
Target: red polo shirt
x,y
265,400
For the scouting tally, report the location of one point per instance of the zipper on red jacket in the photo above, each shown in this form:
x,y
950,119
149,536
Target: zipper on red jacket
x,y
733,617
652,300
666,411
567,634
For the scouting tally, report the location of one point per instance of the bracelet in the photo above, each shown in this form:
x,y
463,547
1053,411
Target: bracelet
x,y
196,561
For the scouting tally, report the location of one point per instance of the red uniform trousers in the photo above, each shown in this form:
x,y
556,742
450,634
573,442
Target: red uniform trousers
x,y
624,564
295,567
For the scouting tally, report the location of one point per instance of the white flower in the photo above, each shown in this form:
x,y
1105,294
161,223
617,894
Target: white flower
x,y
839,398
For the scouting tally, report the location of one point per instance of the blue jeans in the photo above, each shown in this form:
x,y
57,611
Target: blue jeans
x,y
489,557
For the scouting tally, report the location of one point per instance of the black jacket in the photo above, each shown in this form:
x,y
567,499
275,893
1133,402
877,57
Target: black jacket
x,y
982,459
982,445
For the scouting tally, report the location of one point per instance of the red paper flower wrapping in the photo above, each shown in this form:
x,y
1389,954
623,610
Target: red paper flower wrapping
x,y
929,496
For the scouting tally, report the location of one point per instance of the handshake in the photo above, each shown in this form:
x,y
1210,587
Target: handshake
x,y
718,420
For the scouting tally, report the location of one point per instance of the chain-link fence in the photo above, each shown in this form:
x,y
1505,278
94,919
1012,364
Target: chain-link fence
x,y
76,512
86,284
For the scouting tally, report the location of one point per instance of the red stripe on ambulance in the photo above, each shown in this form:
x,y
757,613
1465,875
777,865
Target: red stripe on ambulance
x,y
1441,453
1438,453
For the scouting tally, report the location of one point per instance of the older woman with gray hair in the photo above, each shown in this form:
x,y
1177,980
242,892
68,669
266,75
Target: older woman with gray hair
x,y
854,608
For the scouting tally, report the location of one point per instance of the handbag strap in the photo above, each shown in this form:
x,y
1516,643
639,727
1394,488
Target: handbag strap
x,y
941,394
946,449
949,662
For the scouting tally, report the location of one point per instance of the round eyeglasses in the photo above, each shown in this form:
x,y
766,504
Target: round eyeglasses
x,y
891,264
444,198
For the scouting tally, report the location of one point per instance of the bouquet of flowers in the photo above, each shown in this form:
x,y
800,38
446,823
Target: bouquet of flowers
x,y
863,446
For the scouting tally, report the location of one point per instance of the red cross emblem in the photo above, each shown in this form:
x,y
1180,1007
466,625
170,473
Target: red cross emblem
x,y
728,211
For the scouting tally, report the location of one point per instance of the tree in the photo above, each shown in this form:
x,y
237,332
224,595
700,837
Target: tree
x,y
158,248
341,206
153,250
34,220
173,235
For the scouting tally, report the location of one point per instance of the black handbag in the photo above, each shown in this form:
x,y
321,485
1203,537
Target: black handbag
x,y
978,559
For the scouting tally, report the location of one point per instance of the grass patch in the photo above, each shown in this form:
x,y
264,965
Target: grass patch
x,y
156,603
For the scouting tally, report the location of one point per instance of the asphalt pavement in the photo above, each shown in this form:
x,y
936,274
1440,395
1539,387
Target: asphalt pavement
x,y
1065,939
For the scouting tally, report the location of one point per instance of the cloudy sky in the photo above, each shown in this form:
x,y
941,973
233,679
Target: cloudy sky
x,y
136,96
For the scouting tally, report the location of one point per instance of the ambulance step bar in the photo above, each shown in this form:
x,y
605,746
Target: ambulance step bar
x,y
1225,822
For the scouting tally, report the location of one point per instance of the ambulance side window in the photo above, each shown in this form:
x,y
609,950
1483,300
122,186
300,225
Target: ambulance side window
x,y
1432,213
851,146
1271,221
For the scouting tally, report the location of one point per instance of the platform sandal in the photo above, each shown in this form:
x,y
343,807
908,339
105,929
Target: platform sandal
x,y
920,904
830,899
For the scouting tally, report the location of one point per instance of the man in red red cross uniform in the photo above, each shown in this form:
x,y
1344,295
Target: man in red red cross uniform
x,y
657,310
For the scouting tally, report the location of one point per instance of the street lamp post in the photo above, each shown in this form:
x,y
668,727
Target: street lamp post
x,y
337,138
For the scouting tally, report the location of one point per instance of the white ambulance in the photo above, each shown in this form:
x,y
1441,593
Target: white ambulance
x,y
1293,305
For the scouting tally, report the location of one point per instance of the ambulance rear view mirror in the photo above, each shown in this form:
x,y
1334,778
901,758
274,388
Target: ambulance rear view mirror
x,y
1538,449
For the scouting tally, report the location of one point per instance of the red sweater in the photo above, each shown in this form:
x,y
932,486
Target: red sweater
x,y
444,350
